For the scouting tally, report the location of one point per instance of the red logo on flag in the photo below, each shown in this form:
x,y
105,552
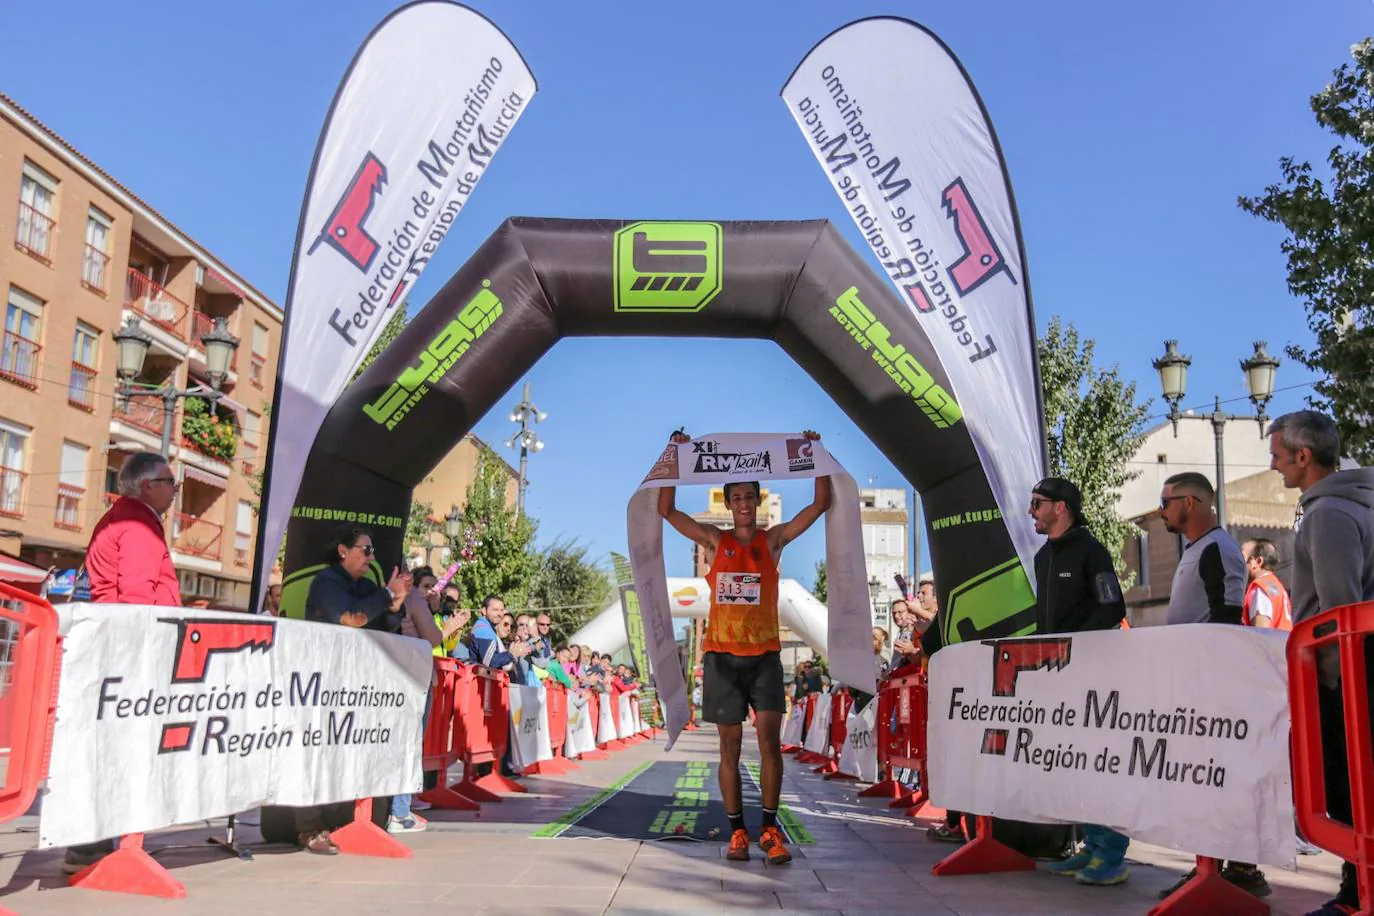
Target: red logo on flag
x,y
344,230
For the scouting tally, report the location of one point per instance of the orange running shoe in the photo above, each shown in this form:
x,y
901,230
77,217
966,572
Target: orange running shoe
x,y
770,841
739,846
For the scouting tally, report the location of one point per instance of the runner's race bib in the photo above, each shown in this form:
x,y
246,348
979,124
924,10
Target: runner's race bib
x,y
738,588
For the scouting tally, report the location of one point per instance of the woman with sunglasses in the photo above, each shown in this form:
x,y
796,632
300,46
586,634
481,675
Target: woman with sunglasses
x,y
343,592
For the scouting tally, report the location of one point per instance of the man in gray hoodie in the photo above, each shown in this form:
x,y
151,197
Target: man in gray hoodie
x,y
1333,565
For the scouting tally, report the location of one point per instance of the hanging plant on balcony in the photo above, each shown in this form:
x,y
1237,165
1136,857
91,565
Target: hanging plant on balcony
x,y
206,430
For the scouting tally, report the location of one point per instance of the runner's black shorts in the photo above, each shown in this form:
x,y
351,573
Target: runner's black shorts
x,y
733,683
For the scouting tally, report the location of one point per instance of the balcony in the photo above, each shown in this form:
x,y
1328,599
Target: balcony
x,y
257,368
36,234
195,536
146,414
95,270
19,360
68,514
242,544
151,301
248,455
12,492
81,387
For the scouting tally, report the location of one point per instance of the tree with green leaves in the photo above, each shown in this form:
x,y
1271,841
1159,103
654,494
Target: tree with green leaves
x,y
569,587
1330,224
818,589
418,528
1095,427
503,562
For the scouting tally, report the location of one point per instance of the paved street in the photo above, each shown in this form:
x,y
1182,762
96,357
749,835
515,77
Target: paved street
x,y
866,860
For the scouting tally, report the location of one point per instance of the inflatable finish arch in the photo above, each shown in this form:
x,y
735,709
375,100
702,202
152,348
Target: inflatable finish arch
x,y
537,280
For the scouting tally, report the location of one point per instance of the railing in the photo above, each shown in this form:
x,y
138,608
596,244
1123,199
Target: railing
x,y
12,492
202,324
256,367
95,265
249,457
35,235
145,413
81,388
193,535
68,515
153,302
19,359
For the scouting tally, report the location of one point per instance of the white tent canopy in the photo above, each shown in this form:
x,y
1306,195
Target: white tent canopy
x,y
798,610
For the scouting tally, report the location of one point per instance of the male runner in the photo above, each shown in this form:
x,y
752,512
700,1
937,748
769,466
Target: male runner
x,y
741,666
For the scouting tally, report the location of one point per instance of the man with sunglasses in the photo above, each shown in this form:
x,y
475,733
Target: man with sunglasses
x,y
128,563
1076,589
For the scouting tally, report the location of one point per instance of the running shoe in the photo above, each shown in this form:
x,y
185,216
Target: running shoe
x,y
770,841
739,846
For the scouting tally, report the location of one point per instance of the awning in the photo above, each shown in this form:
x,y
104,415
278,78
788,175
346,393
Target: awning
x,y
226,401
15,570
205,477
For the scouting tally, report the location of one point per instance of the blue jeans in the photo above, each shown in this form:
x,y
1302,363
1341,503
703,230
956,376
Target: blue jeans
x,y
1105,844
400,804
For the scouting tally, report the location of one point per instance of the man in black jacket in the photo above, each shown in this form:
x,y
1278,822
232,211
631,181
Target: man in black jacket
x,y
1077,590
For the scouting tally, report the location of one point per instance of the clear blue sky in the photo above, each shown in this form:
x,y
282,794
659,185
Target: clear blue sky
x,y
1129,132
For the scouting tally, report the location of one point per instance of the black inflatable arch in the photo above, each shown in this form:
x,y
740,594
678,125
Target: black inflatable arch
x,y
535,281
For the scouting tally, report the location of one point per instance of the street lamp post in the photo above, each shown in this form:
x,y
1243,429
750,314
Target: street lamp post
x,y
525,413
874,589
1259,370
132,343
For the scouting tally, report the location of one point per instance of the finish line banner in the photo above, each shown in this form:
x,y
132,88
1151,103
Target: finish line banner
x,y
168,716
722,458
1176,736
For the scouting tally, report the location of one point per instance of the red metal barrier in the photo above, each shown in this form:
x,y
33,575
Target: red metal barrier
x,y
486,724
905,745
1345,628
445,734
30,701
840,704
887,787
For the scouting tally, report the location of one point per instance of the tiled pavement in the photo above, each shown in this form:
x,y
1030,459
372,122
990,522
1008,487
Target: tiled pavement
x,y
867,860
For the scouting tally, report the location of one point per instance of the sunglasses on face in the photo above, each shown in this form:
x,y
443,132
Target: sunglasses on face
x,y
365,548
1165,500
1035,504
163,479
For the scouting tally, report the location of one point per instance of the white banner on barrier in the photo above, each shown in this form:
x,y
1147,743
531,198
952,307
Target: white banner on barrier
x,y
792,725
818,734
1176,735
167,716
625,717
859,754
579,738
529,726
605,724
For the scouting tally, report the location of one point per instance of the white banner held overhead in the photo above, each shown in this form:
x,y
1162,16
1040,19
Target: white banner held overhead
x,y
168,716
427,102
722,458
1091,728
896,124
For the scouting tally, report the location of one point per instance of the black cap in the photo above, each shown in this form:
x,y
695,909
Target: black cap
x,y
1061,490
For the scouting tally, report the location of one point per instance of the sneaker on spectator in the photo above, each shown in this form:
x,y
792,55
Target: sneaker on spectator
x,y
1101,873
1334,908
1072,865
943,833
1169,891
76,861
1308,849
412,823
1248,878
419,804
738,850
770,841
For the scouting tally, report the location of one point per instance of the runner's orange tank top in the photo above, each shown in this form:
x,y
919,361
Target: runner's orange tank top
x,y
744,598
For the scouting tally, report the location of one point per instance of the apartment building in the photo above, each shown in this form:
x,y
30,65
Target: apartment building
x,y
88,255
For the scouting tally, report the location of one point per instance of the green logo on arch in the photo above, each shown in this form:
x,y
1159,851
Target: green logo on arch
x,y
666,266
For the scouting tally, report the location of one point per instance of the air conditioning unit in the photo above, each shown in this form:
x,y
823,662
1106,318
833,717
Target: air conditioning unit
x,y
161,309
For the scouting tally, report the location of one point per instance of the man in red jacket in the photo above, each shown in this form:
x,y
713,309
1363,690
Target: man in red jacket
x,y
128,560
129,563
